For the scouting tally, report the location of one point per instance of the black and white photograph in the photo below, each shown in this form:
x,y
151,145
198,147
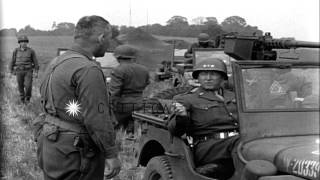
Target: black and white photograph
x,y
159,90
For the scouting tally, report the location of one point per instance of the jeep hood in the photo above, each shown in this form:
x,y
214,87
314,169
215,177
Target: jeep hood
x,y
295,155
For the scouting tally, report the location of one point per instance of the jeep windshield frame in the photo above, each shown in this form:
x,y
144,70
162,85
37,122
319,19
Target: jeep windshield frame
x,y
269,122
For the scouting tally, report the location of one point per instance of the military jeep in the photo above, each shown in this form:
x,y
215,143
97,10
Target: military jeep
x,y
278,114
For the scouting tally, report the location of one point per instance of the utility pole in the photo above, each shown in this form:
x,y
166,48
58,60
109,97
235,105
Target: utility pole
x,y
147,20
130,13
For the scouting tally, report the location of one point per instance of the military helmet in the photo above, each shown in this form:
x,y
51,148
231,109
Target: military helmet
x,y
203,37
212,64
23,38
125,52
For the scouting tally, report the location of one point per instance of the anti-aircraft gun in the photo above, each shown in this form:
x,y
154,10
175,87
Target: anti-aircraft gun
x,y
259,47
234,47
277,110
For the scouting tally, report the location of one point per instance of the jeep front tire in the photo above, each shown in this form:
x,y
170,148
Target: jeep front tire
x,y
158,168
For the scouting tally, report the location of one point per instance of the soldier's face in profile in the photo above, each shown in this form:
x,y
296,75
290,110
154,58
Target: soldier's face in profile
x,y
210,80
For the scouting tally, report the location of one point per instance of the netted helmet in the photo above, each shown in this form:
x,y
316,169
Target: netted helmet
x,y
125,52
23,38
203,37
212,64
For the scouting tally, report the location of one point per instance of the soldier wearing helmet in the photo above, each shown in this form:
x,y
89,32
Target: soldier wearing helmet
x,y
23,63
207,115
128,80
203,42
75,136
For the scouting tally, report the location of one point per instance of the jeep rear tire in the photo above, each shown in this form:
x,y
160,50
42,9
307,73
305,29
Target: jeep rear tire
x,y
158,168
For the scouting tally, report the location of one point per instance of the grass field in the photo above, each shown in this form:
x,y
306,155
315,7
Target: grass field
x,y
19,148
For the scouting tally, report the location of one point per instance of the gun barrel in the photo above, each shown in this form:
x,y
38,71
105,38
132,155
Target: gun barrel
x,y
287,44
148,118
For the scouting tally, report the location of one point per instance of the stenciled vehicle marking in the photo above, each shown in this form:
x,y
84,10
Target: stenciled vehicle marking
x,y
305,168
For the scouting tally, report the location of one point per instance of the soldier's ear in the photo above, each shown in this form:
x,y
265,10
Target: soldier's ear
x,y
101,38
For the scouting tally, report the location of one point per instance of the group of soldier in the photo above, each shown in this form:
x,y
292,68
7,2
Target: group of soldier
x,y
75,134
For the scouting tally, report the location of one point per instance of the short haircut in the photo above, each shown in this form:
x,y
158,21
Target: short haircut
x,y
89,25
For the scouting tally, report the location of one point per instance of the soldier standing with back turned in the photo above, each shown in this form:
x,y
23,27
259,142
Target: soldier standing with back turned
x,y
128,80
23,62
77,135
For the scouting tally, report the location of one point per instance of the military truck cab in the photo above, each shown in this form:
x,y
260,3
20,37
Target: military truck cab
x,y
278,110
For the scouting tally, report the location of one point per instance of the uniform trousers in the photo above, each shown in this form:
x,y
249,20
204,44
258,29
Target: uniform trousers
x,y
60,159
217,151
24,79
123,112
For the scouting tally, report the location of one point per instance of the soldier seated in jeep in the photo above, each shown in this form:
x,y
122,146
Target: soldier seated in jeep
x,y
207,116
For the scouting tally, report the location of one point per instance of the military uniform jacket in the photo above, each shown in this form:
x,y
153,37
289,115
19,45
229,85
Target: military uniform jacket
x,y
80,96
128,78
24,57
207,113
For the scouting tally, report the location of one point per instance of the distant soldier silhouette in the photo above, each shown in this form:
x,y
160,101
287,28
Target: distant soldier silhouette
x,y
23,63
203,42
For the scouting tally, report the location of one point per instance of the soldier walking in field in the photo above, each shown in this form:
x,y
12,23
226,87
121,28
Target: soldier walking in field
x,y
23,63
203,42
75,135
128,80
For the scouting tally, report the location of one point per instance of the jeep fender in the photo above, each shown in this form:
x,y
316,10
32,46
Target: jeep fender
x,y
159,142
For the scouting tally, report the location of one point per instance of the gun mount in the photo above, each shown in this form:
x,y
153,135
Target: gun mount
x,y
259,47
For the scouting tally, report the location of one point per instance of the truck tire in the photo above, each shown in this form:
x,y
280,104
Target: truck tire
x,y
158,168
170,93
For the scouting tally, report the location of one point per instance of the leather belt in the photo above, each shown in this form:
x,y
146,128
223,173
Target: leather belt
x,y
218,135
132,94
74,127
23,67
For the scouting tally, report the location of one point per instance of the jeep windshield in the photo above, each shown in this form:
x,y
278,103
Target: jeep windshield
x,y
281,88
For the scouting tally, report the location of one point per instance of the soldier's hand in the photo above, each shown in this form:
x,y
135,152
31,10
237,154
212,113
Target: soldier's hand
x,y
179,109
114,165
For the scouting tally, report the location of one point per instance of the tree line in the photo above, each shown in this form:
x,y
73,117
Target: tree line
x,y
175,26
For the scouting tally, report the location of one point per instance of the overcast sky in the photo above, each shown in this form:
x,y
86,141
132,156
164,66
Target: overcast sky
x,y
283,18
